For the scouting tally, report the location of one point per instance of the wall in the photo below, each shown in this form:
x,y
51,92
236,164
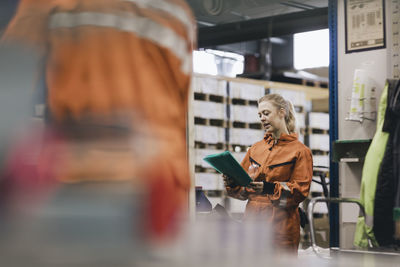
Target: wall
x,y
350,173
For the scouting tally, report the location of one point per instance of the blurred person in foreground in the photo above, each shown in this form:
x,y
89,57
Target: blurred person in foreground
x,y
117,74
281,169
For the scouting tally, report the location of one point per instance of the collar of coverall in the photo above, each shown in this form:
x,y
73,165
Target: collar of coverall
x,y
284,137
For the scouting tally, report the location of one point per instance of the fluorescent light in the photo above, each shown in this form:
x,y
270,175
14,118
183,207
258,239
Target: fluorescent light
x,y
204,62
215,62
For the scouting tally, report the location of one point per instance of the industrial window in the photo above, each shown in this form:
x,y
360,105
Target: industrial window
x,y
311,49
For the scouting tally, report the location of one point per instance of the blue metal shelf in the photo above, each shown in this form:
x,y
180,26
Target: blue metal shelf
x,y
333,118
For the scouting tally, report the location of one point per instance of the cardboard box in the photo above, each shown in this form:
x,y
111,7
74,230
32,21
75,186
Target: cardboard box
x,y
209,181
245,137
208,85
209,110
209,134
320,105
321,160
246,91
318,120
300,120
242,113
319,142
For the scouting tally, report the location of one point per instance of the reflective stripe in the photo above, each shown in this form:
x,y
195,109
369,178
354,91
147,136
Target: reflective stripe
x,y
174,10
143,27
283,200
284,194
285,187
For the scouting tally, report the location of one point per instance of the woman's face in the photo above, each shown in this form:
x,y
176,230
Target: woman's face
x,y
272,119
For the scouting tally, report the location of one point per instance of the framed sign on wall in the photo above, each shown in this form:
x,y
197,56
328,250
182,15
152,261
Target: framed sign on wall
x,y
364,25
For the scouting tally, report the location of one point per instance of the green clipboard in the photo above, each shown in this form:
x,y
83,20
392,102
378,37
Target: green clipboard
x,y
226,164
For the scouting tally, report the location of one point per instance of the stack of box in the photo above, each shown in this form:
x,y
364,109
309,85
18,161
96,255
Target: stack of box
x,y
209,181
240,90
244,113
209,109
318,130
208,85
245,137
209,134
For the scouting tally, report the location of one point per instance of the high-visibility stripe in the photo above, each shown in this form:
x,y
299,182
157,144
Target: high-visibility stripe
x,y
283,200
285,187
143,27
174,10
284,195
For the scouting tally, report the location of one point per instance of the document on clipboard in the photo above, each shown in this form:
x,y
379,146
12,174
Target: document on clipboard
x,y
226,164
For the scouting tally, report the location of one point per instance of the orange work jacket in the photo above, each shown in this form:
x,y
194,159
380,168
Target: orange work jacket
x,y
104,57
107,57
288,165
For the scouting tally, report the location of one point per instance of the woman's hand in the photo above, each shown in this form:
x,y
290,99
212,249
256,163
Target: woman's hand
x,y
258,187
233,190
228,182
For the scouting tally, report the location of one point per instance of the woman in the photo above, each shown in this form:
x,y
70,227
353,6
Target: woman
x,y
281,169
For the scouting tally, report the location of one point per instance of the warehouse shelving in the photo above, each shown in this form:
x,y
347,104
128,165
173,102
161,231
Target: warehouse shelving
x,y
317,133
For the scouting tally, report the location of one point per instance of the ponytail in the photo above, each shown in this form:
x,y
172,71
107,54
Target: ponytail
x,y
281,103
290,118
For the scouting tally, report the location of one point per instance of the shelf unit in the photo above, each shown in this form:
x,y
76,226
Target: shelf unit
x,y
317,140
350,150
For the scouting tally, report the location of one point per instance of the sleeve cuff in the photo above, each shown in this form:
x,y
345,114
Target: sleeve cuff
x,y
268,188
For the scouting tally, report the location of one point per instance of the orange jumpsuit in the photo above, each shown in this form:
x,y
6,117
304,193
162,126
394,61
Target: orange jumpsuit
x,y
107,57
288,165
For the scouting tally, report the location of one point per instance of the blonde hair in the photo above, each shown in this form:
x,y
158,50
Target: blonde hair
x,y
279,102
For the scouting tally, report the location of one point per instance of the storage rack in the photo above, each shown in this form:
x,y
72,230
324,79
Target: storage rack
x,y
317,133
317,139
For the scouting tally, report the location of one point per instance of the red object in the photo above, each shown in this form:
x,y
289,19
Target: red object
x,y
251,64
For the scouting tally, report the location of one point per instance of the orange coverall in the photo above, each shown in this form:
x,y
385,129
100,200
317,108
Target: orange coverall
x,y
104,57
288,164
